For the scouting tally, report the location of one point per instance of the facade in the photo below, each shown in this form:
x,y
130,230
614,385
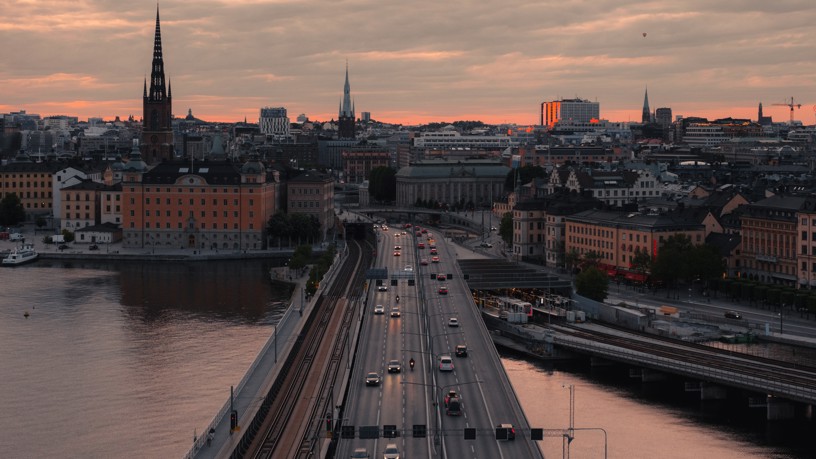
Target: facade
x,y
358,161
274,122
806,230
578,110
450,140
31,182
312,193
479,182
769,240
663,116
196,205
615,188
157,122
617,236
82,203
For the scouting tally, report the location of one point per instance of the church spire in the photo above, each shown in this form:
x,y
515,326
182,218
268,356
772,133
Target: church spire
x,y
158,91
346,118
647,114
346,108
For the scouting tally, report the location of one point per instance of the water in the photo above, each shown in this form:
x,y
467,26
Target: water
x,y
127,360
654,420
124,360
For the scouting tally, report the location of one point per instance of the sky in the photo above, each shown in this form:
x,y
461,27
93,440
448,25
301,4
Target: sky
x,y
412,61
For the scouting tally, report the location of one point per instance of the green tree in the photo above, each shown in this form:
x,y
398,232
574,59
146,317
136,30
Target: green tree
x,y
572,259
11,210
506,228
382,184
278,227
641,261
592,283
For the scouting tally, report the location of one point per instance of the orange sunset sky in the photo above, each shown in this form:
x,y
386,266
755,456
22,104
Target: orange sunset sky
x,y
412,62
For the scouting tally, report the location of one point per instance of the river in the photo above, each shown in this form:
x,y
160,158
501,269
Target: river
x,y
129,360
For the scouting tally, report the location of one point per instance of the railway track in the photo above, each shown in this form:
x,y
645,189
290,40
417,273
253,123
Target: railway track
x,y
779,372
286,423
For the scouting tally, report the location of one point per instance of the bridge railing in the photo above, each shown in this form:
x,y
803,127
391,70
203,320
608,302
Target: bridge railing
x,y
775,387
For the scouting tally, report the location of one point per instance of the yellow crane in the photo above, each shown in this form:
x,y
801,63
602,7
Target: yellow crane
x,y
791,105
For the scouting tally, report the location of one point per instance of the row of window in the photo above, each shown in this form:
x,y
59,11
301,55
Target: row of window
x,y
180,214
180,226
191,202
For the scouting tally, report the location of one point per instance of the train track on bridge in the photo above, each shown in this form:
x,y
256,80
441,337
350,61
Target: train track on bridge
x,y
288,423
777,373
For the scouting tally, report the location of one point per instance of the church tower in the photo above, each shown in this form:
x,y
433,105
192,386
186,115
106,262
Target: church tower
x,y
346,120
157,127
647,114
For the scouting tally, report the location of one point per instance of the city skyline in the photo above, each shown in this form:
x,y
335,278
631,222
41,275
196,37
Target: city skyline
x,y
494,62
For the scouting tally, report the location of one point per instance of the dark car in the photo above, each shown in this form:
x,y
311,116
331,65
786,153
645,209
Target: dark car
x,y
372,379
732,315
509,429
93,247
461,350
63,246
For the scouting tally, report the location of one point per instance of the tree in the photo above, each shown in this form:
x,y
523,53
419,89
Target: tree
x,y
571,260
506,228
641,261
11,210
382,184
592,283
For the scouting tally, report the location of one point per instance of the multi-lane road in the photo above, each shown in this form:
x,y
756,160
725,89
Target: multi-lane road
x,y
423,331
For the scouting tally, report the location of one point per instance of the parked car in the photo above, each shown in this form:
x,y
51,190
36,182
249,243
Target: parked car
x,y
93,247
63,246
372,379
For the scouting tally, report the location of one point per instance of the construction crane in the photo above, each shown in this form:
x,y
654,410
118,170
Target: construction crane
x,y
791,105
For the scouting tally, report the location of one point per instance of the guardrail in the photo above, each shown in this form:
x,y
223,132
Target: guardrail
x,y
690,369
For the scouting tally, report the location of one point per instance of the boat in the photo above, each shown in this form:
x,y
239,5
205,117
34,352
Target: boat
x,y
20,255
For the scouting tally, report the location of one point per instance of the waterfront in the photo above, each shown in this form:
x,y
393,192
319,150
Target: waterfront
x,y
127,359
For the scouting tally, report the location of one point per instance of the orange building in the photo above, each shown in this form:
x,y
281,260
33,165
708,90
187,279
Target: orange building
x,y
617,236
312,193
212,204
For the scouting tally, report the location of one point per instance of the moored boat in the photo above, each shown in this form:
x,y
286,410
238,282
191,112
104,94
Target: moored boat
x,y
20,255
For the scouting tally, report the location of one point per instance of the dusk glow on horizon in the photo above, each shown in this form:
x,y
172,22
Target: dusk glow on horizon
x,y
408,64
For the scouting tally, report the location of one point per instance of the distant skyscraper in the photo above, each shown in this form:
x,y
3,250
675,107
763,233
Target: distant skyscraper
x,y
663,116
346,118
647,114
157,127
274,121
577,110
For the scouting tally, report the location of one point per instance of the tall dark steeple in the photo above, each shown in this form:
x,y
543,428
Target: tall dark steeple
x,y
647,114
157,122
346,119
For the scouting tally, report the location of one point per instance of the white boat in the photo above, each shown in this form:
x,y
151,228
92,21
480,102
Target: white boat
x,y
20,255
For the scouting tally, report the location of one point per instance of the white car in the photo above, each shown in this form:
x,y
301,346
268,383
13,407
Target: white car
x,y
395,312
379,309
382,288
391,451
453,322
408,268
445,363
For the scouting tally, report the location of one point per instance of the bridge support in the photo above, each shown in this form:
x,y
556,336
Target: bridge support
x,y
779,409
692,386
710,391
647,375
600,362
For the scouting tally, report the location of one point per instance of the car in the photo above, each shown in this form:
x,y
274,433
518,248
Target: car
x,y
453,322
441,277
423,262
732,315
454,407
408,225
372,379
435,260
461,350
391,451
397,247
445,363
382,288
452,394
63,246
384,228
432,245
421,245
396,254
509,429
434,252
408,268
443,290
493,228
360,453
395,312
424,231
486,245
93,247
379,309
394,366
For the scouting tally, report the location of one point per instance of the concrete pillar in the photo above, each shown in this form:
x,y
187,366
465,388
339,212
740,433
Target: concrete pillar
x,y
779,409
711,391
